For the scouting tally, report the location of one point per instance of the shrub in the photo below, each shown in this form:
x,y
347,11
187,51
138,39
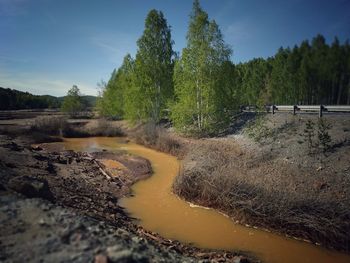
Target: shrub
x,y
105,128
157,137
49,125
323,136
309,133
258,130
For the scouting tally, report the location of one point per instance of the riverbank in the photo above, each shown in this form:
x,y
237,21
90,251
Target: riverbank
x,y
80,187
263,173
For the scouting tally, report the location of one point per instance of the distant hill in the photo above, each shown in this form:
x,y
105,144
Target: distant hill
x,y
89,100
11,99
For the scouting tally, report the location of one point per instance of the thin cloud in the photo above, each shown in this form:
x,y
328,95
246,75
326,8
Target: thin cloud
x,y
114,46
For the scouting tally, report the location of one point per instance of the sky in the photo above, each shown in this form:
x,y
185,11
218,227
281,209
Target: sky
x,y
46,46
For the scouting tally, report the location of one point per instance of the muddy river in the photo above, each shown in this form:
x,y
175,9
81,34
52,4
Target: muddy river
x,y
161,211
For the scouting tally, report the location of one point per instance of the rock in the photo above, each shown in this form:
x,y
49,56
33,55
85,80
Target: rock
x,y
123,233
31,187
41,222
50,167
14,147
37,148
39,157
240,259
101,259
2,188
10,165
119,254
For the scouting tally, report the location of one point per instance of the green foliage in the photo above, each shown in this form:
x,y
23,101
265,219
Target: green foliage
x,y
11,99
73,103
323,135
323,139
202,87
309,133
152,82
257,130
202,78
141,89
307,74
116,95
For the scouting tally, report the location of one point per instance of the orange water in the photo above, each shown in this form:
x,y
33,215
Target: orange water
x,y
161,211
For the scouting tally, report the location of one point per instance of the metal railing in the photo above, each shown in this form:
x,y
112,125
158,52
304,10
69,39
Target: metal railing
x,y
320,109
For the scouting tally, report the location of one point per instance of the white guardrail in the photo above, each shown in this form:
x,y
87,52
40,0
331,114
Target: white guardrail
x,y
320,109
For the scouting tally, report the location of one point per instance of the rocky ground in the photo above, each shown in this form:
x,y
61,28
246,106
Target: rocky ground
x,y
35,230
63,207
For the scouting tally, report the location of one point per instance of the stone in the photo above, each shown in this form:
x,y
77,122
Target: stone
x,y
50,167
14,146
37,148
31,187
100,259
119,254
240,259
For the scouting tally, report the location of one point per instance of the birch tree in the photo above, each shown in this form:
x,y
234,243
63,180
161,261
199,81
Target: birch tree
x,y
197,76
153,68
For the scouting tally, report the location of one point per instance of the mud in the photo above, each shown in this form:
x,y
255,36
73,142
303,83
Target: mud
x,y
62,206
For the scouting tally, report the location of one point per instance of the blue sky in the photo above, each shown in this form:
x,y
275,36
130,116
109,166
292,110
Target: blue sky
x,y
46,46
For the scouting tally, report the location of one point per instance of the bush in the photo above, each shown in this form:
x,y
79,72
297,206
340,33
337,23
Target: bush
x,y
49,125
309,133
323,136
157,137
322,141
101,128
258,130
105,128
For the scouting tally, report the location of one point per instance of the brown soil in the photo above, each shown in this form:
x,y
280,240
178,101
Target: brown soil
x,y
81,182
261,172
264,175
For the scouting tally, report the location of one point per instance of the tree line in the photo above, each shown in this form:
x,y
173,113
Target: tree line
x,y
11,99
309,73
200,89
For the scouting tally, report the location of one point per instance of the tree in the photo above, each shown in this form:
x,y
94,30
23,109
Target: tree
x,y
73,103
115,95
307,74
198,77
152,79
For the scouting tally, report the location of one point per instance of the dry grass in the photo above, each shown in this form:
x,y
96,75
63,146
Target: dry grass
x,y
259,190
158,138
105,128
49,125
59,126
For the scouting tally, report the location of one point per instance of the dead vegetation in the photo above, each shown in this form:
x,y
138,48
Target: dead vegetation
x,y
60,126
274,185
158,138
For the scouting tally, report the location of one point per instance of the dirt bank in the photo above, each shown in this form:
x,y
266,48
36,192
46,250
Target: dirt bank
x,y
65,204
264,172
